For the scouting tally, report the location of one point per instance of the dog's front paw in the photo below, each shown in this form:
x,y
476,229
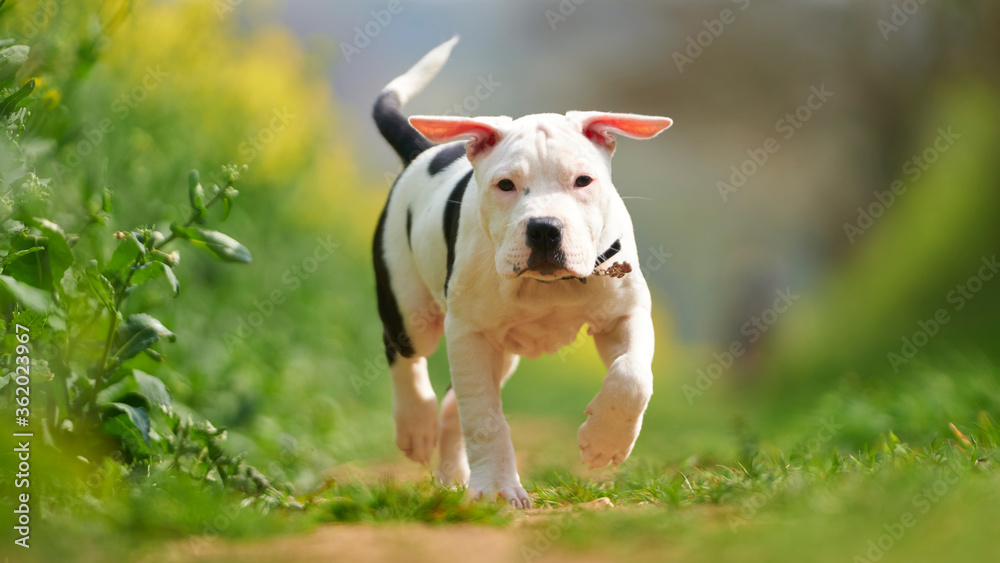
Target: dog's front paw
x,y
608,434
417,427
510,490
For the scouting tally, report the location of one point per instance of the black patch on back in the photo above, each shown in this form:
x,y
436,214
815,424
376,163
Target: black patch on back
x,y
409,226
446,156
396,129
615,247
397,342
452,209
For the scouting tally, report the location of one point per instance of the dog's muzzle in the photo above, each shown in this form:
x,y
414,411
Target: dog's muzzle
x,y
543,236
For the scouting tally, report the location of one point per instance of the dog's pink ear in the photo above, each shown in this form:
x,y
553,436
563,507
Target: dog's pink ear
x,y
482,135
600,127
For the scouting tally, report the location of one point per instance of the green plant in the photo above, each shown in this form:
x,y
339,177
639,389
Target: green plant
x,y
70,332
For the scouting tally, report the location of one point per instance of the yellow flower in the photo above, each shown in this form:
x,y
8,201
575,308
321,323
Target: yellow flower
x,y
251,97
51,98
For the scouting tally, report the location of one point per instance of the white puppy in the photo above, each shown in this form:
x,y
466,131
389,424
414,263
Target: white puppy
x,y
507,243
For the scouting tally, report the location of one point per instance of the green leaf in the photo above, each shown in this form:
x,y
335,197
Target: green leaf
x,y
15,255
118,377
153,389
205,430
228,195
128,250
57,320
28,296
154,270
9,104
11,60
106,198
196,195
138,332
138,418
170,259
102,288
117,390
130,386
220,245
175,285
60,254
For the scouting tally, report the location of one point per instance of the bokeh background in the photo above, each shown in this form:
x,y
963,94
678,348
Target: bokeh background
x,y
907,102
829,282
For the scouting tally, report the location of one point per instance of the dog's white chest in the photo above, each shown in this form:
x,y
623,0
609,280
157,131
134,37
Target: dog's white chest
x,y
545,335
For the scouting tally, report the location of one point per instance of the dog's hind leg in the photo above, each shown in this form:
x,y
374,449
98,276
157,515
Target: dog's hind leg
x,y
415,406
412,326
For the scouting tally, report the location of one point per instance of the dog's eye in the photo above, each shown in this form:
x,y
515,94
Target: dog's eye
x,y
505,185
583,181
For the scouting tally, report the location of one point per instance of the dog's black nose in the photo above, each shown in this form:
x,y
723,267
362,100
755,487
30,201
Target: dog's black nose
x,y
544,234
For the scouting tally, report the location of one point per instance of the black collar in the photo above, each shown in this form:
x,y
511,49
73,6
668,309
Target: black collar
x,y
607,254
601,258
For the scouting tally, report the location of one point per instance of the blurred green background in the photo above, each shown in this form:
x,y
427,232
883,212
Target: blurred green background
x,y
285,87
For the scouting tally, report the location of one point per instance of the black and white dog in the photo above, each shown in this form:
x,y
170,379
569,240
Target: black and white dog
x,y
507,238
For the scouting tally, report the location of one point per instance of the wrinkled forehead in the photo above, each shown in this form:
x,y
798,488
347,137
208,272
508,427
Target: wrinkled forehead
x,y
543,143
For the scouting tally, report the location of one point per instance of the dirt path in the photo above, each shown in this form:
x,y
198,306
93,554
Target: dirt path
x,y
363,542
397,543
523,540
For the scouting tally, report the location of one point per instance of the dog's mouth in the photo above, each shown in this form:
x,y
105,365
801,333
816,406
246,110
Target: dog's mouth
x,y
546,267
550,277
547,263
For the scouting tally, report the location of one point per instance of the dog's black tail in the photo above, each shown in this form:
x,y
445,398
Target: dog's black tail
x,y
391,122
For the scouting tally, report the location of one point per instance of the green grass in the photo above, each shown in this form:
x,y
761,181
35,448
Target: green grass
x,y
816,497
395,501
